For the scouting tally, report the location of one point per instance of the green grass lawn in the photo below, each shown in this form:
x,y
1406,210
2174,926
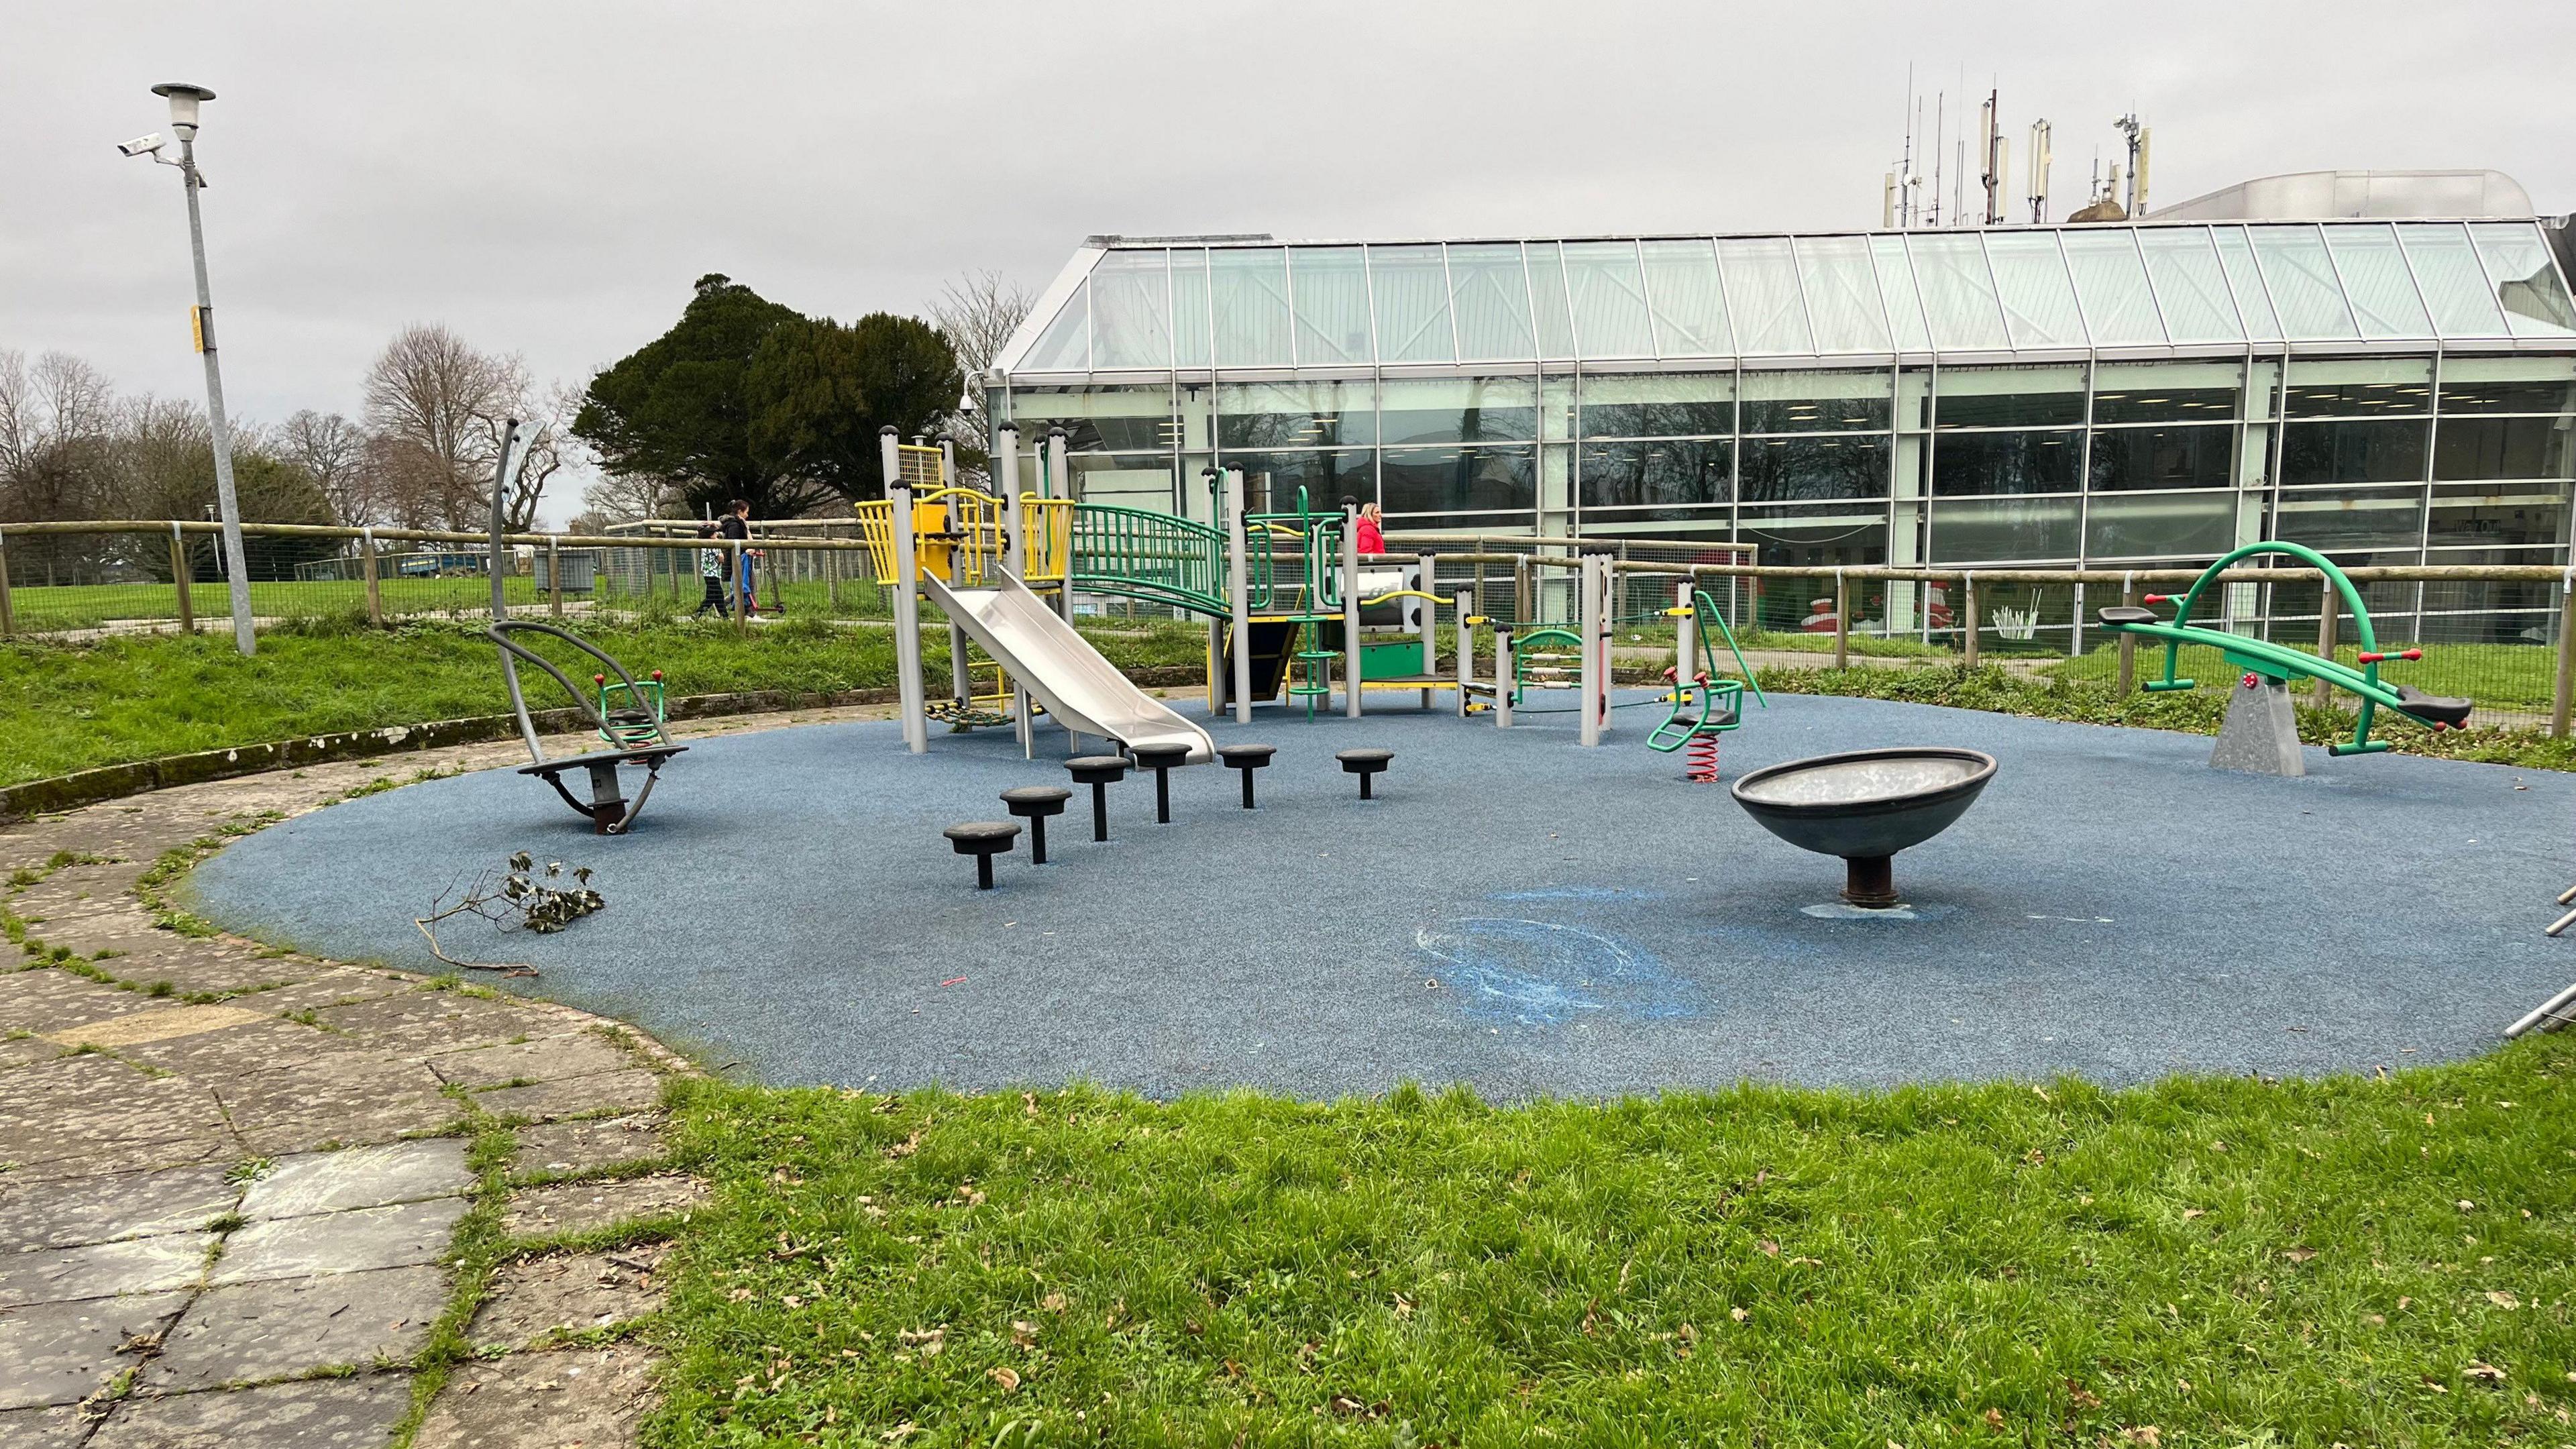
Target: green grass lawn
x,y
69,707
2198,1262
90,606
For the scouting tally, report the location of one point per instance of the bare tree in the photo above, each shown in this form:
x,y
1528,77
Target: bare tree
x,y
334,450
56,420
437,407
978,312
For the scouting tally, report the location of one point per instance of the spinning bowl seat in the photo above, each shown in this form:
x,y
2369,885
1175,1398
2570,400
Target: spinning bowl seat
x,y
1865,806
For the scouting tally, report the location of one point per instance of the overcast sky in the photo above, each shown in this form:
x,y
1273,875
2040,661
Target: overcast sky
x,y
548,178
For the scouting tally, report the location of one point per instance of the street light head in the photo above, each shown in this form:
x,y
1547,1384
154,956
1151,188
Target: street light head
x,y
141,145
183,99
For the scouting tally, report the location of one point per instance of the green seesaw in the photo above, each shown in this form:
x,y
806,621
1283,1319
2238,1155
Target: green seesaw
x,y
2260,658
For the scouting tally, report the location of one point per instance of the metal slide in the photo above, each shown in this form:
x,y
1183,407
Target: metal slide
x,y
1084,692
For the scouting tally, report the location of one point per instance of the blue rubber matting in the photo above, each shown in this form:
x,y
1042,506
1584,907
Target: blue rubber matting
x,y
1515,912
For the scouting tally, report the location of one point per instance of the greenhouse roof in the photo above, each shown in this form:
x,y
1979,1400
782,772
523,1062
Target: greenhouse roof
x,y
1169,303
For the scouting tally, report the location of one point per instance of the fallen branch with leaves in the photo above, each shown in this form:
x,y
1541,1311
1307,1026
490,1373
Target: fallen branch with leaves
x,y
526,900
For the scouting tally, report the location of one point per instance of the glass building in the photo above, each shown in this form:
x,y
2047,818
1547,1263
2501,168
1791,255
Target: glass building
x,y
2108,396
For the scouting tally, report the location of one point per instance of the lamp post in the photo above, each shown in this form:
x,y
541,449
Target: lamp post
x,y
184,100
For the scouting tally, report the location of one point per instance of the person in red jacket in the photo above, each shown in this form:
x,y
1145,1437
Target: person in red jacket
x,y
1372,532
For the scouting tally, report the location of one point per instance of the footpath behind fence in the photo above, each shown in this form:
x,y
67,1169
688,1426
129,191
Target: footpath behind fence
x,y
2497,635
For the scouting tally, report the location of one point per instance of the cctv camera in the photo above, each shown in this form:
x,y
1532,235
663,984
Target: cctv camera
x,y
141,145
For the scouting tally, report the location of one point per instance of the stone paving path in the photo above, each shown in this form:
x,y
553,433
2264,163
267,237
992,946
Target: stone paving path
x,y
252,1198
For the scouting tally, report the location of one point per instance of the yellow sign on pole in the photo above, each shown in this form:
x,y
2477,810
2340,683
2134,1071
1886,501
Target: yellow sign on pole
x,y
197,327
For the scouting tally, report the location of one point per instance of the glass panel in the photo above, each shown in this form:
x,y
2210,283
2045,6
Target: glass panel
x,y
2159,525
2118,308
1096,419
1294,415
2004,530
1658,405
1688,306
2015,462
1126,480
2376,280
1458,409
1066,344
2302,281
2354,452
1791,470
1547,290
1556,408
1958,293
2010,397
1842,294
1437,480
1330,288
2509,385
1271,480
2471,447
1896,288
1130,320
1762,282
1491,295
2165,392
1816,402
1828,535
2454,284
2360,387
2169,457
2342,519
2535,301
1412,305
1608,291
2191,290
1189,308
1248,291
2245,281
2039,303
1658,474
2498,523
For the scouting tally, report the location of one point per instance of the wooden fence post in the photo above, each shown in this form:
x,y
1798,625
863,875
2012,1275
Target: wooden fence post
x,y
554,577
180,581
2326,598
8,614
1842,621
1968,597
2128,641
740,607
2559,692
375,582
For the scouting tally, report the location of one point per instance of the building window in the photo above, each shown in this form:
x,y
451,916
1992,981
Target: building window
x,y
2015,462
1818,402
2123,458
1658,405
1790,470
1617,475
1295,415
1463,479
2479,447
1459,409
2390,451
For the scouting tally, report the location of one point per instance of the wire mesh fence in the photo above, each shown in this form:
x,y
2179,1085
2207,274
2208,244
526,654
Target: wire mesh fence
x,y
2491,634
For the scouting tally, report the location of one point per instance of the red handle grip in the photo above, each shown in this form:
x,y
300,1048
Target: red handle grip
x,y
599,679
657,676
2158,598
2381,658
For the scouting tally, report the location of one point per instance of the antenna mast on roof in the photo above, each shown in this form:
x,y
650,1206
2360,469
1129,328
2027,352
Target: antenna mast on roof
x,y
2041,159
1932,214
1997,154
2139,136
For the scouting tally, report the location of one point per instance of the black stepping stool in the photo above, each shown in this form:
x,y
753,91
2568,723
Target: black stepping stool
x,y
1364,763
1246,758
1162,760
1099,772
1034,803
982,839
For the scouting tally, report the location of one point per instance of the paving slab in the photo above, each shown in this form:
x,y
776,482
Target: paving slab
x,y
359,1413
588,1145
344,1096
83,1101
26,1051
250,1332
359,1177
71,1212
216,1144
403,1236
593,1398
164,1023
634,1090
61,1427
337,986
253,1041
581,1207
567,1293
103,1270
544,1059
45,999
425,1022
61,1353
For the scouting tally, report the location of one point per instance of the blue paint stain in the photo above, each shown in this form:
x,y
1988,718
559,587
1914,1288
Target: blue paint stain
x,y
1576,893
1540,973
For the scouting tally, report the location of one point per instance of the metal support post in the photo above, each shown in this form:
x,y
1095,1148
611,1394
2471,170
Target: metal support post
x,y
907,587
1238,591
1464,603
1429,567
1506,676
1351,685
1594,653
228,503
1015,546
179,579
1056,483
1685,640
